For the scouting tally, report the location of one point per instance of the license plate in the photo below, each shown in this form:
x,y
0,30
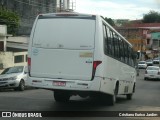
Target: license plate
x,y
59,83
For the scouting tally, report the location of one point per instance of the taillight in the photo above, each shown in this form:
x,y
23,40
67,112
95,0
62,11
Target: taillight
x,y
95,64
29,65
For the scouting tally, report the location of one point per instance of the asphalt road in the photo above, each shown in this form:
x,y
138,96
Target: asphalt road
x,y
146,98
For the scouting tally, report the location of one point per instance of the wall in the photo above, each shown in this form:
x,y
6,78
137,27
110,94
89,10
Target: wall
x,y
6,59
17,44
3,34
136,36
9,59
19,39
138,44
28,10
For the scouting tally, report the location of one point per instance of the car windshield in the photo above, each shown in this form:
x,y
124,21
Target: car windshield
x,y
17,69
153,68
142,62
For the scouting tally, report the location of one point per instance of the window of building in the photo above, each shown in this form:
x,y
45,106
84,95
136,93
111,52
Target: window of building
x,y
18,58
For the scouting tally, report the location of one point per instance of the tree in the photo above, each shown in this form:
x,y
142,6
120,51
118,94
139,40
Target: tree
x,y
151,17
9,18
110,21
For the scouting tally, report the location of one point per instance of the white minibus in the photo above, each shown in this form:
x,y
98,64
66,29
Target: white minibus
x,y
80,54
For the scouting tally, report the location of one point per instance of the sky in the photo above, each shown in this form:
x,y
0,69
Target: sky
x,y
118,9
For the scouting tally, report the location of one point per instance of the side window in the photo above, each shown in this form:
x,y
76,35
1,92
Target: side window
x,y
116,46
112,43
126,53
105,39
121,51
108,45
109,42
132,57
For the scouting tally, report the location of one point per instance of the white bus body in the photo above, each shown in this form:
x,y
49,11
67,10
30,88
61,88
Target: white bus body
x,y
68,54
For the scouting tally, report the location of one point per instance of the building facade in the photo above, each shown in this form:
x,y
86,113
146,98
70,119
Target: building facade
x,y
136,36
28,10
3,35
139,34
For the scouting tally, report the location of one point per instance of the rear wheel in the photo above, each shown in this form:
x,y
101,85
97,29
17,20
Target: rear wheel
x,y
145,78
129,96
113,98
61,96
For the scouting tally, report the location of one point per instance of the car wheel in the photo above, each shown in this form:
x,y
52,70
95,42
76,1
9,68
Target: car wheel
x,y
21,85
61,96
129,96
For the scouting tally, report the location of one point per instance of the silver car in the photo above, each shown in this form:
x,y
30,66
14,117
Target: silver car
x,y
152,72
142,64
149,62
13,77
156,60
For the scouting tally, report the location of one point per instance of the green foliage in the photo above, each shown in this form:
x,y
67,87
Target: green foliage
x,y
110,21
151,17
10,19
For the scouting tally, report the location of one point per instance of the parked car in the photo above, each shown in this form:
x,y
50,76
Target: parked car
x,y
152,72
149,62
156,60
142,64
13,77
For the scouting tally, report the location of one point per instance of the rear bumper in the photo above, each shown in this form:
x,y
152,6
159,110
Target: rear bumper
x,y
155,62
142,67
146,76
76,85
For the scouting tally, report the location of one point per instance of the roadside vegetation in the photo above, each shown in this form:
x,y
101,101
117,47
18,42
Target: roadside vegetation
x,y
151,17
9,18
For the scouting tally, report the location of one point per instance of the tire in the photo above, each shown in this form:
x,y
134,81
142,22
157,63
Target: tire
x,y
129,96
112,99
145,78
61,96
21,86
